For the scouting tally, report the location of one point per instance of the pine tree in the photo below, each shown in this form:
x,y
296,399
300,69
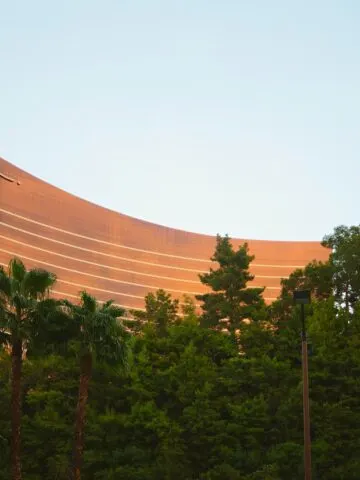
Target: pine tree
x,y
161,311
231,300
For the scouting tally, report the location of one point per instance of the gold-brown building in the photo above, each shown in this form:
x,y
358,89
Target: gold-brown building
x,y
115,256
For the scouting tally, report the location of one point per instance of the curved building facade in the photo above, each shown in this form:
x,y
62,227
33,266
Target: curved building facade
x,y
115,256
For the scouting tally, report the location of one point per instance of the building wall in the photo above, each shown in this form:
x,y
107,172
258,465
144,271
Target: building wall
x,y
115,256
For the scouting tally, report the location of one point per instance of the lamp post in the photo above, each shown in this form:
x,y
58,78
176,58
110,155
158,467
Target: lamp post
x,y
302,297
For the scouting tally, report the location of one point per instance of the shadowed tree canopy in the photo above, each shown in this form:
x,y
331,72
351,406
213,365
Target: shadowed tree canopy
x,y
316,277
345,260
230,297
22,295
101,337
161,311
197,404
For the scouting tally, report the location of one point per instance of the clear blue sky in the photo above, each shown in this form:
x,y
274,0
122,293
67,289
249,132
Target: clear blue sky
x,y
239,117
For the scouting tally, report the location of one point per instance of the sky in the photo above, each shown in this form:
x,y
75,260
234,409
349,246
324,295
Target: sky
x,y
231,116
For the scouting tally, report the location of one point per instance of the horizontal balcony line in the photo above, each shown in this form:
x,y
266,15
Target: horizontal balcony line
x,y
51,252
123,282
77,296
168,255
97,276
116,280
107,291
109,255
151,275
59,280
63,294
100,277
104,242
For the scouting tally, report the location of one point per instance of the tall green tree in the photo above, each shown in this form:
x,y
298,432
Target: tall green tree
x,y
161,311
99,337
345,259
230,298
188,310
315,276
21,293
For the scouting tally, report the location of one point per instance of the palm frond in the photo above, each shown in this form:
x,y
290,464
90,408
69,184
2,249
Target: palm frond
x,y
20,302
109,339
88,302
107,304
114,311
37,282
97,329
53,326
17,269
67,303
4,337
5,283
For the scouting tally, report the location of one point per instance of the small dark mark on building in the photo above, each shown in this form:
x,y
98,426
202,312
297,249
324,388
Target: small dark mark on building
x,y
9,179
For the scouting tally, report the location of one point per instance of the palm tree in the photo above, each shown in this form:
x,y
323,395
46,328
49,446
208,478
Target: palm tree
x,y
22,293
99,337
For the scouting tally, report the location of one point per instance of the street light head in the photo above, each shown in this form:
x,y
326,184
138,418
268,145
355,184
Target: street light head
x,y
302,297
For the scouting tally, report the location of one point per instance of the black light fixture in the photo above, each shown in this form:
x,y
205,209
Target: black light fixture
x,y
302,297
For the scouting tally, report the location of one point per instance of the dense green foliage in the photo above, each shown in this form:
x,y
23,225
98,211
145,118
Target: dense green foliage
x,y
198,404
231,300
23,301
97,336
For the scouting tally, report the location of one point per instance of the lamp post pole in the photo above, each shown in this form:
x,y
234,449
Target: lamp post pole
x,y
306,406
302,298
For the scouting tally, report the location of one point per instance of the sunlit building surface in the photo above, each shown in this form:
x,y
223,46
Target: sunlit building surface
x,y
115,256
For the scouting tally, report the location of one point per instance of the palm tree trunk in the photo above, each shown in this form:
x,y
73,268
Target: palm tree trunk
x,y
16,367
85,375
